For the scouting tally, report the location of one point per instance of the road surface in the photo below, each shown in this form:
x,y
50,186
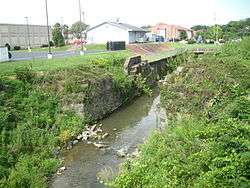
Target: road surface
x,y
17,56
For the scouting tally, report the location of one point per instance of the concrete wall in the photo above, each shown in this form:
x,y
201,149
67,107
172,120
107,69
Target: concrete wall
x,y
151,71
105,33
17,35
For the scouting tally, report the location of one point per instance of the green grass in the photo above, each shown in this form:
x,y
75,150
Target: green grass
x,y
90,47
36,112
206,142
161,55
8,68
195,46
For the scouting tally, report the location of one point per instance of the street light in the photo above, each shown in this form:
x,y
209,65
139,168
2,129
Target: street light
x,y
49,53
28,33
80,13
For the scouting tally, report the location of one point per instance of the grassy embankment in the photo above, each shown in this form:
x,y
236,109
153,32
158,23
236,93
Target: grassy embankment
x,y
33,121
177,48
207,140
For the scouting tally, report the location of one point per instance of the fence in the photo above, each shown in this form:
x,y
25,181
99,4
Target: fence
x,y
116,45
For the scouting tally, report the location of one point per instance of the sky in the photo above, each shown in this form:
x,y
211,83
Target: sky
x,y
136,12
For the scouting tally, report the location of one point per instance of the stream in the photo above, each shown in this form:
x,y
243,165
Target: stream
x,y
128,127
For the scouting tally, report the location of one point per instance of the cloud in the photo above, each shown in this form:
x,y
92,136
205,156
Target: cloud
x,y
138,12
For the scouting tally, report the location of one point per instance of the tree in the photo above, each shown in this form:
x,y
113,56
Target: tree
x,y
65,31
57,36
215,32
183,35
199,27
77,28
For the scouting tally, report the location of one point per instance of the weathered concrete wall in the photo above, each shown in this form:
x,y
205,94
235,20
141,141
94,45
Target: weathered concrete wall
x,y
17,35
103,100
152,71
102,97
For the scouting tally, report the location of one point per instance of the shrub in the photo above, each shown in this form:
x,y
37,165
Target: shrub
x,y
191,41
44,45
25,74
52,43
17,47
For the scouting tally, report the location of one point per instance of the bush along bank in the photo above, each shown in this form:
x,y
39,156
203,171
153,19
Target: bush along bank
x,y
207,140
42,110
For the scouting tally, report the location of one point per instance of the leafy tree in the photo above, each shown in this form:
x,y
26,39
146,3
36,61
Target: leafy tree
x,y
199,27
183,35
65,31
57,35
77,28
215,32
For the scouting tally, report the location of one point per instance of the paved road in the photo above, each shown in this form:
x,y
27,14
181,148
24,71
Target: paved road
x,y
43,55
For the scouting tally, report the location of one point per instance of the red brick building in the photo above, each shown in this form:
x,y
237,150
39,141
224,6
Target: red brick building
x,y
170,32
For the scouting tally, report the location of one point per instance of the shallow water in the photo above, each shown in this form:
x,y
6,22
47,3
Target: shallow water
x,y
133,122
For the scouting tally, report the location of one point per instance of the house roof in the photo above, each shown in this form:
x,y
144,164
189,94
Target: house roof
x,y
120,25
164,25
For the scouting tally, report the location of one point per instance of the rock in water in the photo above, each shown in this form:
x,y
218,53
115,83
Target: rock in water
x,y
122,152
75,142
105,135
59,172
100,145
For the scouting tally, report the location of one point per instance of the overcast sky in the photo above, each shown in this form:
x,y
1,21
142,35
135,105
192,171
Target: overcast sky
x,y
136,12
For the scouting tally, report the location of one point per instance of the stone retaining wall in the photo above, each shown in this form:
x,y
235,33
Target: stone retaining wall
x,y
152,71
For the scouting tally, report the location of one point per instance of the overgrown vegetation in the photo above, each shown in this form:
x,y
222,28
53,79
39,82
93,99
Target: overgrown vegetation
x,y
57,35
231,31
33,120
207,140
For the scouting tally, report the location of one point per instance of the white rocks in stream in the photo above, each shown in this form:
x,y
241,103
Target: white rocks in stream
x,y
100,145
92,129
92,133
85,135
79,137
75,142
98,130
135,154
122,152
105,135
61,170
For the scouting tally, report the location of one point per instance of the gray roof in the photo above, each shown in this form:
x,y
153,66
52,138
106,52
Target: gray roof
x,y
120,25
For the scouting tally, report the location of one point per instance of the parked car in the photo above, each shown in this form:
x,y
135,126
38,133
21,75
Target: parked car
x,y
159,39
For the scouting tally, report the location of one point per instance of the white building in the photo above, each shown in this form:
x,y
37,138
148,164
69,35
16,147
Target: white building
x,y
114,31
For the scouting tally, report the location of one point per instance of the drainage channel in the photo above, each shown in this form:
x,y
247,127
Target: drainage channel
x,y
127,128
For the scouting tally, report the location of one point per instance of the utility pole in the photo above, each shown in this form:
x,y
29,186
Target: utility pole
x,y
83,17
28,33
80,13
47,18
216,28
62,27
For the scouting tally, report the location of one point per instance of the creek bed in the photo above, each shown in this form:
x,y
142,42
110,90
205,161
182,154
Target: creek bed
x,y
127,128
